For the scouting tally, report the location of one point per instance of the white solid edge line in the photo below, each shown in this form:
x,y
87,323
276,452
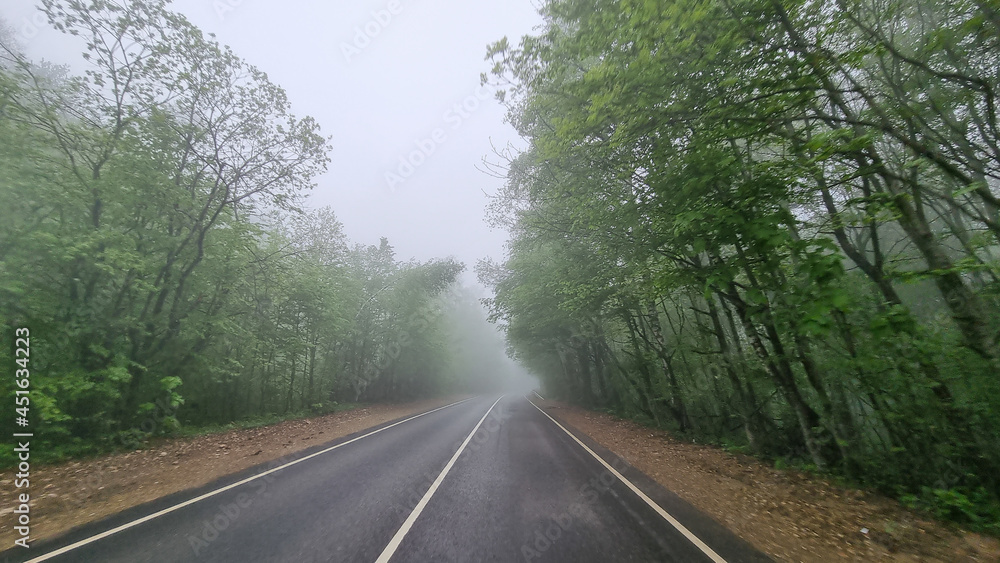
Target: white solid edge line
x,y
536,394
659,509
189,502
390,549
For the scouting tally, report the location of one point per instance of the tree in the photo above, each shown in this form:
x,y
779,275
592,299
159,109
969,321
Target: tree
x,y
738,204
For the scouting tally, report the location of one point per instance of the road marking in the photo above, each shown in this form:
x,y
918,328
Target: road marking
x,y
134,523
405,528
537,395
659,509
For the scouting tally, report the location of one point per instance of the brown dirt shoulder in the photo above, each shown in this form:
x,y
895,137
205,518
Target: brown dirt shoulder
x,y
790,515
74,493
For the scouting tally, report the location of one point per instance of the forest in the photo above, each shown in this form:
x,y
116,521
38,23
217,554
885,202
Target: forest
x,y
156,242
771,225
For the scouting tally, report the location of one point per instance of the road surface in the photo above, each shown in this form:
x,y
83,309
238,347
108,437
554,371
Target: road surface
x,y
486,479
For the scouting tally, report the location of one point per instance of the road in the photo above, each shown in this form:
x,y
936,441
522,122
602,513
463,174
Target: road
x,y
486,479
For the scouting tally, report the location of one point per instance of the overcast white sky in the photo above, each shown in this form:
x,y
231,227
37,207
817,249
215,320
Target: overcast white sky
x,y
379,100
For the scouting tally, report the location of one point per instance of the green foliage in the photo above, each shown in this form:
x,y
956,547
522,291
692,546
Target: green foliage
x,y
762,225
152,239
976,509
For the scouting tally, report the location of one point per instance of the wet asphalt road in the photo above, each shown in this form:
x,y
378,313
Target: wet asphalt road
x,y
521,489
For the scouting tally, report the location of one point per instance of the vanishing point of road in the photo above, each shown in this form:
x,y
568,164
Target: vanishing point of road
x,y
485,479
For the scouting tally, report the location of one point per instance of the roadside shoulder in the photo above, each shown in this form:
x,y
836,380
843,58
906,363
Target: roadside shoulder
x,y
79,492
786,514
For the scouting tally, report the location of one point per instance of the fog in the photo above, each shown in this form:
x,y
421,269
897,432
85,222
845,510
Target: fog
x,y
478,355
394,83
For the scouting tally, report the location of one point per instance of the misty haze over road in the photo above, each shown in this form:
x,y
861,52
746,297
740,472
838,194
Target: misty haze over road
x,y
752,246
520,489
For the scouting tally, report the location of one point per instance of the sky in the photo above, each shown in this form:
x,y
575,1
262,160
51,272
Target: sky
x,y
396,85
